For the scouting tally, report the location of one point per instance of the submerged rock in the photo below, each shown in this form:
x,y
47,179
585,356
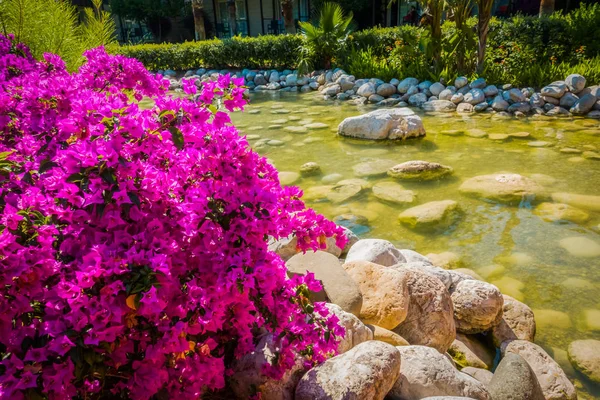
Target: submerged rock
x,y
586,202
432,215
580,246
372,168
395,123
368,371
393,193
559,212
585,357
310,168
419,170
504,188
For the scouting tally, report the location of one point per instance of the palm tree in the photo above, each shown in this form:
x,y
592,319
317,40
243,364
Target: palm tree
x,y
546,7
322,41
198,12
287,9
461,10
483,26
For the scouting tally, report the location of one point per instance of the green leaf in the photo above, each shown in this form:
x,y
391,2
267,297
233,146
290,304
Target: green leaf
x,y
134,198
177,137
5,154
47,165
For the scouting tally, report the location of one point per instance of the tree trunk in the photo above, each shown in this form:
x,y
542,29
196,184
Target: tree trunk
x,y
546,7
436,8
287,9
483,26
197,11
232,17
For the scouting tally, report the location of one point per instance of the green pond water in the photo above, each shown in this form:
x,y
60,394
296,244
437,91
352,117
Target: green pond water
x,y
509,246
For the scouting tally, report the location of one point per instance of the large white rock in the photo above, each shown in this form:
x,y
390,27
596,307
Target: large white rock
x,y
553,381
388,123
356,331
368,371
425,372
377,251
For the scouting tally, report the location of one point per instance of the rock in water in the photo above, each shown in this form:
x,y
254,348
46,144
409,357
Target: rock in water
x,y
430,318
425,372
504,188
432,215
368,371
419,170
518,322
515,380
585,356
395,123
553,381
338,286
385,293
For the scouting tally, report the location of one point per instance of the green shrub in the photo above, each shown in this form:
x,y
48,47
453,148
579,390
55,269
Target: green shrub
x,y
239,52
364,64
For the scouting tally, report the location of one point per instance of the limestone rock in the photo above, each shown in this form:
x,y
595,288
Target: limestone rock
x,y
377,251
338,286
477,306
368,371
514,379
585,357
518,322
356,331
450,279
575,83
385,293
387,336
394,123
432,215
553,381
482,375
430,320
413,256
439,106
419,170
504,188
425,372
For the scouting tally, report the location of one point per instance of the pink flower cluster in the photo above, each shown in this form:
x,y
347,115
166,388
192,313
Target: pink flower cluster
x,y
133,241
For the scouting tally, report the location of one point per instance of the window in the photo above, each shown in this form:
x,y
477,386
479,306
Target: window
x,y
240,10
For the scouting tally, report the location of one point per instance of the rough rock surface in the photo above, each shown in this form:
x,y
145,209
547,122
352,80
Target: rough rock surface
x,y
430,318
425,372
585,357
477,306
471,351
553,381
385,293
517,323
450,279
419,170
387,336
482,375
396,123
338,286
515,380
368,371
505,188
377,251
356,331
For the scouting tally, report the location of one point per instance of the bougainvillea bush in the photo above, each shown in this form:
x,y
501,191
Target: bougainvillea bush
x,y
133,241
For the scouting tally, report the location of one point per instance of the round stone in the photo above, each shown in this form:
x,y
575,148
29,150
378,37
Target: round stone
x,y
419,170
580,246
585,357
393,192
477,306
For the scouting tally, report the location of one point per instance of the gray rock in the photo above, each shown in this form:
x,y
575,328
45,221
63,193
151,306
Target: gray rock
x,y
474,96
368,371
514,379
406,83
478,83
377,251
481,107
342,96
490,91
332,90
419,170
446,94
457,98
439,106
412,256
558,111
329,76
389,102
575,83
523,107
464,90
584,104
273,86
482,375
425,85
436,88
394,82
386,89
366,90
338,287
552,379
346,82
302,80
356,331
396,123
430,320
274,77
568,100
375,98
425,372
555,90
291,80
465,108
499,104
310,168
461,81
516,96
536,100
552,100
314,85
417,99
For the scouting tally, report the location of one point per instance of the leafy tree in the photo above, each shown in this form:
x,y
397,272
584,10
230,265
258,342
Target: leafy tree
x,y
461,11
51,26
323,40
152,12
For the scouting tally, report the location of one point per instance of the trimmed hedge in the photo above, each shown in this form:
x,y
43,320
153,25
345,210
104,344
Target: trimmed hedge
x,y
267,51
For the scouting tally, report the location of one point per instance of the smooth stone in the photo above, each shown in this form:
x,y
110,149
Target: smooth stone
x,y
461,81
430,320
356,331
584,104
552,379
316,125
450,279
476,133
592,320
477,306
413,256
511,286
482,375
446,259
387,336
309,169
438,106
575,83
377,251
368,371
514,379
464,108
499,137
338,286
504,188
518,322
385,293
331,179
585,357
474,96
425,372
470,351
386,123
520,135
432,215
343,192
452,132
386,89
469,272
393,192
372,168
579,246
419,170
296,129
288,178
538,143
585,202
559,212
548,319
591,155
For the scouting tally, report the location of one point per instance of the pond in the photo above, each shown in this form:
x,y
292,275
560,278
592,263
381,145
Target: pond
x,y
510,246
